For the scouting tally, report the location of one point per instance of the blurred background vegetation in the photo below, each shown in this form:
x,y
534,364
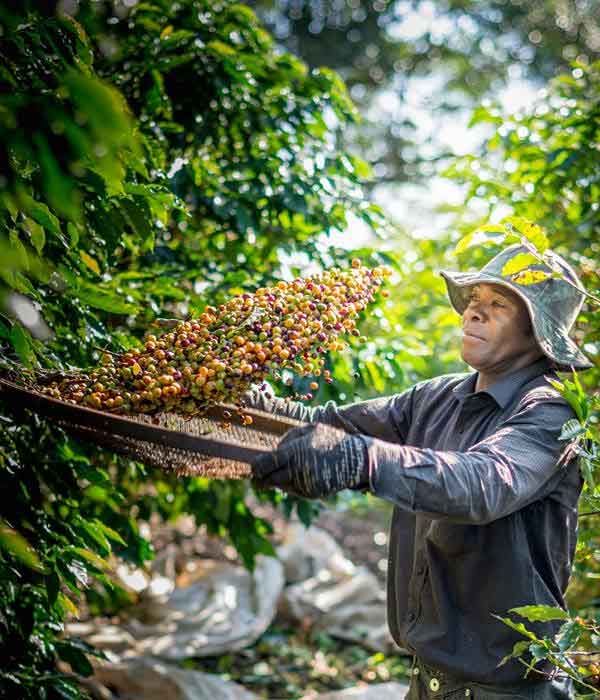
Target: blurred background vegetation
x,y
157,157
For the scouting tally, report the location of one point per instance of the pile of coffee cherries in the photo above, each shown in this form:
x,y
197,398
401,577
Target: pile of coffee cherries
x,y
218,356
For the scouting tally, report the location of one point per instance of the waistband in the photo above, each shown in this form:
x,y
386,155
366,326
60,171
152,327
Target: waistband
x,y
439,683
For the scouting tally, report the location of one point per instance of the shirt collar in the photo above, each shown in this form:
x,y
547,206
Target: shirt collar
x,y
504,388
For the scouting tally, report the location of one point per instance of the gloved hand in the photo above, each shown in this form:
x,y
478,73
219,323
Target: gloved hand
x,y
314,461
255,398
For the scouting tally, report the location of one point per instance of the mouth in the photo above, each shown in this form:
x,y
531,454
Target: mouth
x,y
468,334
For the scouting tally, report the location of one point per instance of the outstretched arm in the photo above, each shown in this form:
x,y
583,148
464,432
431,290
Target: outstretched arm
x,y
499,475
386,417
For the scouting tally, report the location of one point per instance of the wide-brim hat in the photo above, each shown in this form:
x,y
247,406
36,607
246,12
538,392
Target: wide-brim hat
x,y
553,303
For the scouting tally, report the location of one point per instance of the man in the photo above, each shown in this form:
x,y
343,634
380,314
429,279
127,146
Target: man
x,y
485,515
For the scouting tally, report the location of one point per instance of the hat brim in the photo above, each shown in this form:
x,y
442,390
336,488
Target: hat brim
x,y
552,339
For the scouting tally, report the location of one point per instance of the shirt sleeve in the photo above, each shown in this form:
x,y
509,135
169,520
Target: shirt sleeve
x,y
503,473
387,417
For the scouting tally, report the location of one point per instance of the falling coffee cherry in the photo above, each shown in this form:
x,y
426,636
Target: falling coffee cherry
x,y
218,356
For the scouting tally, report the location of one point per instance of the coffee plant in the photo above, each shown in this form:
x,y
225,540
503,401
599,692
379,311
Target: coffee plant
x,y
156,162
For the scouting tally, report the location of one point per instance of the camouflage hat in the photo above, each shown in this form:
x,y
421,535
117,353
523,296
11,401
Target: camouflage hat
x,y
553,304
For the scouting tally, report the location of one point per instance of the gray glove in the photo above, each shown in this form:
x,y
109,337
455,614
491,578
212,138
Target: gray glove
x,y
314,461
255,398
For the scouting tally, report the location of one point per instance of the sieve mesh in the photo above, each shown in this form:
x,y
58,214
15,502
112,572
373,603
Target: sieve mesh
x,y
201,446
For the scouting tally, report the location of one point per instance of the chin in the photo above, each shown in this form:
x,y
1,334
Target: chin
x,y
472,360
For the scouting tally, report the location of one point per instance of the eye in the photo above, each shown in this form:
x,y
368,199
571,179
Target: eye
x,y
497,303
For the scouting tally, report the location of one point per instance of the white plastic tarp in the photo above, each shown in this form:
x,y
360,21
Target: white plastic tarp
x,y
330,592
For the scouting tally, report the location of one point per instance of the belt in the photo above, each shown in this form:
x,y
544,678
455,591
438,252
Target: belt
x,y
437,682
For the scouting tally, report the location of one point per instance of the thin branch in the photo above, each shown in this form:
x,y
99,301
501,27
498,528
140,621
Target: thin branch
x,y
106,350
553,660
533,250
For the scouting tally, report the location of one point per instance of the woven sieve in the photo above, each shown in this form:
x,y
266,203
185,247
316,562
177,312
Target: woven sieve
x,y
200,446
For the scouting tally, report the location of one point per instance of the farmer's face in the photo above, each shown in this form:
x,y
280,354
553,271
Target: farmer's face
x,y
496,329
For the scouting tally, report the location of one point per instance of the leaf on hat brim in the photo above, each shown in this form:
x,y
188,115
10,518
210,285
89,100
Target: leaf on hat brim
x,y
528,277
481,236
532,232
518,263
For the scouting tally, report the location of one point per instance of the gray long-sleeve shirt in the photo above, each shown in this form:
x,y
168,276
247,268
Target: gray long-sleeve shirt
x,y
484,518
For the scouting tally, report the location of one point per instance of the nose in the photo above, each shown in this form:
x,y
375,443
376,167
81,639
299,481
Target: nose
x,y
474,311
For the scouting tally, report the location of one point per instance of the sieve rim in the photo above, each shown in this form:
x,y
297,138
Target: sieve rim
x,y
126,426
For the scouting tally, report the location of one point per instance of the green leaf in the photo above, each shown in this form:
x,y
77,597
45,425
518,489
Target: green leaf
x,y
518,263
67,605
65,688
575,396
540,613
362,168
569,634
104,107
21,257
109,532
375,375
517,626
52,587
37,234
73,233
307,511
484,235
95,534
220,49
40,213
137,215
75,657
91,262
18,547
59,188
483,114
518,650
532,232
539,651
571,429
21,342
105,300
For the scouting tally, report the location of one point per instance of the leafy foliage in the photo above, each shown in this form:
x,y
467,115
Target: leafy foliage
x,y
462,51
157,160
560,650
151,164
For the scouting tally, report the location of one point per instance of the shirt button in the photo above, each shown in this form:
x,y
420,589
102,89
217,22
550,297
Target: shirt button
x,y
434,684
420,571
411,616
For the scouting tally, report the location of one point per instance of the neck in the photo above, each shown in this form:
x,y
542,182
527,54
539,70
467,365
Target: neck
x,y
488,376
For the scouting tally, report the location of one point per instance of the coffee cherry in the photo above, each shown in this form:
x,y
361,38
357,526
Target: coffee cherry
x,y
218,356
